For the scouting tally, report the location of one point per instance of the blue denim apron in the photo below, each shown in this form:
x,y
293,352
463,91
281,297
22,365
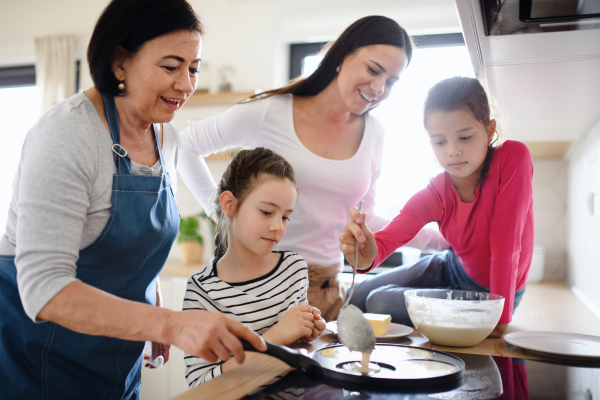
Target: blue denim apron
x,y
47,361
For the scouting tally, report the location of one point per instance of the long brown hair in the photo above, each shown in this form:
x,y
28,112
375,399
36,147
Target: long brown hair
x,y
239,178
367,31
462,93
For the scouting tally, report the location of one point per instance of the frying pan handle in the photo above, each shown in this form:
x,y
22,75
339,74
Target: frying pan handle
x,y
293,358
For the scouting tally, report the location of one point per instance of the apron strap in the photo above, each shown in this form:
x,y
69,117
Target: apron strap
x,y
121,157
122,161
160,154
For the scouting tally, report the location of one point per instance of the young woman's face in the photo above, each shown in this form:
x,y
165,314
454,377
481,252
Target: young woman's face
x,y
161,75
459,142
367,76
262,218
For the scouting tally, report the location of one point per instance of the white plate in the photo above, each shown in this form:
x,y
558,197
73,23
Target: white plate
x,y
557,343
396,330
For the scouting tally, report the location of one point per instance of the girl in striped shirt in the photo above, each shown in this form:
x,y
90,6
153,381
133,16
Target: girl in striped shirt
x,y
248,281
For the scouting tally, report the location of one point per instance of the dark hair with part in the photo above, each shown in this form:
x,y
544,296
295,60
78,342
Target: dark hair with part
x,y
244,171
127,25
462,93
366,31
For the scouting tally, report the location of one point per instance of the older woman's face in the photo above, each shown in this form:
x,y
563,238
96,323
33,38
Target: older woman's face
x,y
367,76
160,76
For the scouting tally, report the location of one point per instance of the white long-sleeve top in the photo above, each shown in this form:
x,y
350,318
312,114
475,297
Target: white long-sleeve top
x,y
328,188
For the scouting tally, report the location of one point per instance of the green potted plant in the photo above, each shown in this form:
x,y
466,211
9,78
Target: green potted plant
x,y
190,241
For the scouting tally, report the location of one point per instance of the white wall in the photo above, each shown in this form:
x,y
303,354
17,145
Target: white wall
x,y
584,217
251,35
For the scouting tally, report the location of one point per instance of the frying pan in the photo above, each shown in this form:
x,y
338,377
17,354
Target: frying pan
x,y
390,377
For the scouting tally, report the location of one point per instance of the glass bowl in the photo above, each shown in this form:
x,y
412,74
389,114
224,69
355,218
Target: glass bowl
x,y
455,318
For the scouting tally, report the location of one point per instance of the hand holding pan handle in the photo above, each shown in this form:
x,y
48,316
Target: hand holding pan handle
x,y
293,358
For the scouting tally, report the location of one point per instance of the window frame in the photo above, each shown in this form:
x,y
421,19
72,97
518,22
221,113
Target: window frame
x,y
24,75
298,51
17,76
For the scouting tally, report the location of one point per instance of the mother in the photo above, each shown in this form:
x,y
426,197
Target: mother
x,y
93,218
321,125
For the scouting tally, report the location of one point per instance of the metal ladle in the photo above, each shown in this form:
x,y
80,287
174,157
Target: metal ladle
x,y
354,331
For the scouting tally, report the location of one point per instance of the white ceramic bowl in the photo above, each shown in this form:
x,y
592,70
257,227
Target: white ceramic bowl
x,y
454,318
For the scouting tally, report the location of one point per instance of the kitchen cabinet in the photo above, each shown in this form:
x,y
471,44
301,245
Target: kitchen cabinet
x,y
544,79
169,381
216,99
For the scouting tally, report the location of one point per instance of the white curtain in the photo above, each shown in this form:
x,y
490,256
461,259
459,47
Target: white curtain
x,y
54,68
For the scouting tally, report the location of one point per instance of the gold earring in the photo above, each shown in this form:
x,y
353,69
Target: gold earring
x,y
121,86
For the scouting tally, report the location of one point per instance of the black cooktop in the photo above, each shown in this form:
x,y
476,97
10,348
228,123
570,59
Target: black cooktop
x,y
486,377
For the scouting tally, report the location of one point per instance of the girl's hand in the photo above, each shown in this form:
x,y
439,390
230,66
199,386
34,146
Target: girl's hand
x,y
296,323
498,331
319,326
319,322
357,229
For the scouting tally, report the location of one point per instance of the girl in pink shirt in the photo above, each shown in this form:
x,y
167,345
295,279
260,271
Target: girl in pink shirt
x,y
482,204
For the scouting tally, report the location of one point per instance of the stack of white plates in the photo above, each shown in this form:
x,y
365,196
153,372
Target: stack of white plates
x,y
560,344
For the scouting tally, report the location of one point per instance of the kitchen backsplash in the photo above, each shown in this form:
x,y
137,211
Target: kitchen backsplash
x,y
583,243
550,178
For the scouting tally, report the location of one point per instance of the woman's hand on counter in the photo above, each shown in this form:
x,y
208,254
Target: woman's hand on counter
x,y
158,350
211,335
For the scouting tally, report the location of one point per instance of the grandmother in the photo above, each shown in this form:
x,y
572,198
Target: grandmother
x,y
93,217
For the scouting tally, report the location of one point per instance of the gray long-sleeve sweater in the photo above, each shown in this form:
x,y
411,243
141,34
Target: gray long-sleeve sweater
x,y
61,196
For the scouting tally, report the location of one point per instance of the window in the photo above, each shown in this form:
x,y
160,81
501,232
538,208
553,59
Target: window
x,y
304,58
20,108
23,75
408,161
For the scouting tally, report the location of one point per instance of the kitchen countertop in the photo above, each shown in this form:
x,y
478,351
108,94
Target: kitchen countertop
x,y
548,306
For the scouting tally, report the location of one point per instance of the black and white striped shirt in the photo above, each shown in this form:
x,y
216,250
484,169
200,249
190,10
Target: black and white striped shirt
x,y
259,303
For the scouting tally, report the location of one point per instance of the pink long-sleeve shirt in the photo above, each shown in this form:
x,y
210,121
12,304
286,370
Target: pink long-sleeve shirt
x,y
492,236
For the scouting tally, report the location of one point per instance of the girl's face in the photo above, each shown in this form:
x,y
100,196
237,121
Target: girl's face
x,y
160,76
459,142
366,76
262,218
